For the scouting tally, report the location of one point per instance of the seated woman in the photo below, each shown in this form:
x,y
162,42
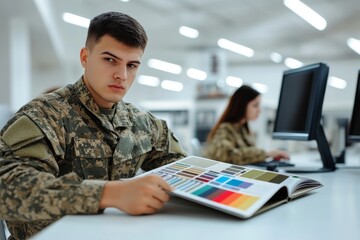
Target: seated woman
x,y
231,140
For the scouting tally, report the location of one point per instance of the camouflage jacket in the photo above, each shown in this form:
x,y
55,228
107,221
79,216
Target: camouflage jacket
x,y
233,144
57,148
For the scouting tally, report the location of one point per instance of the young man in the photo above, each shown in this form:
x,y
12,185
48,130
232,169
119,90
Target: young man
x,y
64,152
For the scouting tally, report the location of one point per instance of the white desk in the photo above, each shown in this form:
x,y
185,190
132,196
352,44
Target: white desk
x,y
313,159
331,212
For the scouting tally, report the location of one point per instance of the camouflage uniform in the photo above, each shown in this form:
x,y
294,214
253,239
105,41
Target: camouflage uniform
x,y
57,150
233,144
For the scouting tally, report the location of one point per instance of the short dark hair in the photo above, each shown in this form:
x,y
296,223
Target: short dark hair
x,y
118,25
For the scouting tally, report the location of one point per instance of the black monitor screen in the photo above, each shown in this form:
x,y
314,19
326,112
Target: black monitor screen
x,y
300,102
354,130
299,110
293,110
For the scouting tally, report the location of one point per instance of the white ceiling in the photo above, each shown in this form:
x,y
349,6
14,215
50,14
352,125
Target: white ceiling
x,y
263,25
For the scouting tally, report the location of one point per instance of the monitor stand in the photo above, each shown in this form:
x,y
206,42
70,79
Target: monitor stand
x,y
342,126
325,153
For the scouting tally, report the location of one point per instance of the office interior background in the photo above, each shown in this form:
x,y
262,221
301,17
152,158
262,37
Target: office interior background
x,y
40,50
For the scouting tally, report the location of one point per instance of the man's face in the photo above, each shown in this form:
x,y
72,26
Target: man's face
x,y
110,69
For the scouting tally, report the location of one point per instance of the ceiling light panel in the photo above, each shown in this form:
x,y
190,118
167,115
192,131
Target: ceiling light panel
x,y
306,13
354,44
164,66
233,81
76,20
337,82
293,63
188,32
234,47
262,88
196,74
148,80
172,85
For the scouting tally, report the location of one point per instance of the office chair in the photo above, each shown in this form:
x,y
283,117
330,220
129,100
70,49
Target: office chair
x,y
2,230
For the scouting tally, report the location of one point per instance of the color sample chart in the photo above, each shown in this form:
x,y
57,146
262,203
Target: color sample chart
x,y
226,197
236,170
264,176
208,184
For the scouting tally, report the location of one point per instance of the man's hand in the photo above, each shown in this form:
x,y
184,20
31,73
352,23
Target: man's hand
x,y
143,195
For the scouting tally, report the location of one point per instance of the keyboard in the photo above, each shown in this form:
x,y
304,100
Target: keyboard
x,y
273,163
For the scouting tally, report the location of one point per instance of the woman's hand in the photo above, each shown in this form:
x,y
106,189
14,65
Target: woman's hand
x,y
278,154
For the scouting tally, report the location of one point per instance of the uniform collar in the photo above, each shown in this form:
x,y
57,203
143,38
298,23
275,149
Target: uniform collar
x,y
238,126
122,116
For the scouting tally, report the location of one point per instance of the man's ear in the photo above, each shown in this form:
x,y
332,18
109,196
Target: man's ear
x,y
84,54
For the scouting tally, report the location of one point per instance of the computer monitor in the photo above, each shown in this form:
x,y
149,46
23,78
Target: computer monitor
x,y
354,130
298,115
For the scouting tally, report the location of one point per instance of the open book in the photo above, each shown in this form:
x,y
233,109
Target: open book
x,y
237,190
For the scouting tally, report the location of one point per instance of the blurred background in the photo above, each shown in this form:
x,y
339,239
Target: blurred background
x,y
40,42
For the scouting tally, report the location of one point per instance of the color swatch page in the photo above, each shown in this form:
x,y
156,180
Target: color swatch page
x,y
234,189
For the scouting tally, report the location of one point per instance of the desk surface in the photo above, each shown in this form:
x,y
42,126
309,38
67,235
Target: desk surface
x,y
331,212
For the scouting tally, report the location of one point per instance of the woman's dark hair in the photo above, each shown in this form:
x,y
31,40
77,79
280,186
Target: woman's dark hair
x,y
120,26
236,108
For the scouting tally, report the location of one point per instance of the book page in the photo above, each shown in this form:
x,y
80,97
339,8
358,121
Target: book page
x,y
298,185
233,189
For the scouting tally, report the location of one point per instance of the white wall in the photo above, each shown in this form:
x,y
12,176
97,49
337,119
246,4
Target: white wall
x,y
4,64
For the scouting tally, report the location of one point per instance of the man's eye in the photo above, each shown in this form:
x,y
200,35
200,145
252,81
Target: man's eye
x,y
109,59
132,65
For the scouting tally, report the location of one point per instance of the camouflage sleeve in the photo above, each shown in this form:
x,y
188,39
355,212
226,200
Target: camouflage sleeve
x,y
166,147
29,188
226,148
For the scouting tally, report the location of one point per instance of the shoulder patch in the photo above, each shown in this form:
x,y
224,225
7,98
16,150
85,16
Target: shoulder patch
x,y
22,130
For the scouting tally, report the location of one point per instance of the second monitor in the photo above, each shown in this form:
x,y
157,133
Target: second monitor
x,y
298,115
354,131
